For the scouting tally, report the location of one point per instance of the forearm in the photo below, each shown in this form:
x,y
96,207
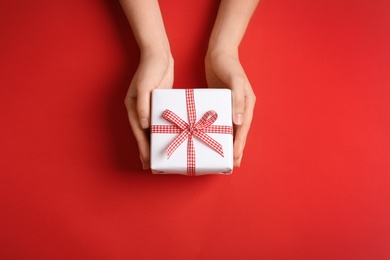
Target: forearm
x,y
147,24
231,23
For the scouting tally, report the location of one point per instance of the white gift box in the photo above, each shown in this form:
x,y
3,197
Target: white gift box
x,y
206,159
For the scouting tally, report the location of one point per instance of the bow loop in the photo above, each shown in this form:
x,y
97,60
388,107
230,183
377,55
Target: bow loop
x,y
175,119
207,120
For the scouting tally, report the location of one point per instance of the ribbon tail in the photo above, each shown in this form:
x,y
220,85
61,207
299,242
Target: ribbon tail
x,y
176,143
209,141
191,171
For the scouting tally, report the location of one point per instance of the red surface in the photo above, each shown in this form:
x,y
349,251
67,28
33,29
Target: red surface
x,y
314,183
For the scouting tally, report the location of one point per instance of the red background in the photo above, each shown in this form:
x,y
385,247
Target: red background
x,y
314,183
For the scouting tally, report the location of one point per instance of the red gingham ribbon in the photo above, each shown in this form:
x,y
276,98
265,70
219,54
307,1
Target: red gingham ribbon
x,y
190,129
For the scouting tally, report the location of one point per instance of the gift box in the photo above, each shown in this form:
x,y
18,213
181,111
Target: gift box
x,y
191,131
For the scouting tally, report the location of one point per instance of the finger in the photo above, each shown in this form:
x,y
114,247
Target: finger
x,y
238,98
139,134
238,149
143,106
242,131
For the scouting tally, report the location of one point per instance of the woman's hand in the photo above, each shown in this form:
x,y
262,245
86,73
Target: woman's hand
x,y
223,67
224,70
154,71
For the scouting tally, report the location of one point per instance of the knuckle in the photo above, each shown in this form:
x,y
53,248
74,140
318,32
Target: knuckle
x,y
253,98
127,102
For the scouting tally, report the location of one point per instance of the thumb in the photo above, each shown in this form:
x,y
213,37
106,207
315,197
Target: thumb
x,y
143,108
238,98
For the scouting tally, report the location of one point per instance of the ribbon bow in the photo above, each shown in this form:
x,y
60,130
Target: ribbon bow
x,y
190,129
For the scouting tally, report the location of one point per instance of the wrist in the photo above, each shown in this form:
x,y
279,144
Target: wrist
x,y
219,43
156,49
217,50
155,45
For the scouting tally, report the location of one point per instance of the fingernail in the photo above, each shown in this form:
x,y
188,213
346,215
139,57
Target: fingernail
x,y
144,123
238,119
145,165
237,161
142,161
